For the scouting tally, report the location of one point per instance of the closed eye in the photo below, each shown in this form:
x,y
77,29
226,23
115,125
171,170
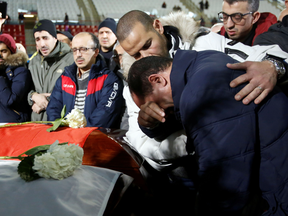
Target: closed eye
x,y
147,45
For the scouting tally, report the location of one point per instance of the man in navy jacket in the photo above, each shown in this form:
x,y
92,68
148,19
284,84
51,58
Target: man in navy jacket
x,y
241,150
89,86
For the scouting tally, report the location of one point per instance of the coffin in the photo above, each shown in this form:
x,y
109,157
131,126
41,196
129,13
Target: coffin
x,y
102,147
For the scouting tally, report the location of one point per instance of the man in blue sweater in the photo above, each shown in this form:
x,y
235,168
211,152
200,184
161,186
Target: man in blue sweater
x,y
241,150
89,86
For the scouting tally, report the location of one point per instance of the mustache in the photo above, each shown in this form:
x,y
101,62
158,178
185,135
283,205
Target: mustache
x,y
45,47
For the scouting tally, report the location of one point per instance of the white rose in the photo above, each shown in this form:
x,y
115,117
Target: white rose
x,y
59,161
76,119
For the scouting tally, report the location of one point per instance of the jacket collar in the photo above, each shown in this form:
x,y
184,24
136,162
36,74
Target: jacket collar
x,y
16,59
182,61
96,68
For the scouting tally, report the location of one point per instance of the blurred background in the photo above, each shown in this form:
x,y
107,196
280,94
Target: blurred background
x,y
85,15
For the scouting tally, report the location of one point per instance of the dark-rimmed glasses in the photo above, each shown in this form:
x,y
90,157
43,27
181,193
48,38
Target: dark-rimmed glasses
x,y
235,17
82,49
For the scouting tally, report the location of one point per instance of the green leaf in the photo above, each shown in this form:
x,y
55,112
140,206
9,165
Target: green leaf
x,y
56,124
25,169
63,111
35,150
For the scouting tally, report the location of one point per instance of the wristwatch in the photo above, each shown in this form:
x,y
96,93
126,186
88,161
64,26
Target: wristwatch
x,y
280,69
31,97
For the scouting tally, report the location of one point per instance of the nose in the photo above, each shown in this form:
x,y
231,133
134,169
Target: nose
x,y
143,54
42,43
78,53
230,23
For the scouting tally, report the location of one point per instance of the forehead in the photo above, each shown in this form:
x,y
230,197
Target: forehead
x,y
42,34
137,38
83,40
240,6
3,46
104,29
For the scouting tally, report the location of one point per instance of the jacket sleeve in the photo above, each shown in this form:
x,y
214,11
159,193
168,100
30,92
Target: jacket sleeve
x,y
163,130
55,105
237,50
110,106
14,90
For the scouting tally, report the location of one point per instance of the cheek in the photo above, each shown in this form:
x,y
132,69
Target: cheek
x,y
4,55
155,50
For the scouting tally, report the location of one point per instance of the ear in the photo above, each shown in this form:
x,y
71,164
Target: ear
x,y
256,16
96,52
157,79
158,26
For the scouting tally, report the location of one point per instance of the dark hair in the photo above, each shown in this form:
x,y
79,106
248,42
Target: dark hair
x,y
95,40
253,5
127,22
141,70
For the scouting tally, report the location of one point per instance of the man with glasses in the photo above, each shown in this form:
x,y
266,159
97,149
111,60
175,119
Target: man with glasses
x,y
46,67
242,21
89,86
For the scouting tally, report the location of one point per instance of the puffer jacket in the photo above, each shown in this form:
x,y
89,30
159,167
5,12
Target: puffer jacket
x,y
103,102
46,70
15,84
241,149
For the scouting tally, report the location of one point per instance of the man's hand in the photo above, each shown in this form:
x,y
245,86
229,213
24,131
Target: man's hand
x,y
37,109
262,78
41,100
150,115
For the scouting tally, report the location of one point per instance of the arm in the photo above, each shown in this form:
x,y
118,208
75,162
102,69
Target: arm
x,y
154,124
14,90
258,73
110,105
55,105
1,23
172,147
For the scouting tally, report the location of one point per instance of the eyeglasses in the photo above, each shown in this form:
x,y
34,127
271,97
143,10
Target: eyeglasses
x,y
82,49
235,17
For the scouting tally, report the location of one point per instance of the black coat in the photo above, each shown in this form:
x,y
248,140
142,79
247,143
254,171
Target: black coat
x,y
276,34
15,83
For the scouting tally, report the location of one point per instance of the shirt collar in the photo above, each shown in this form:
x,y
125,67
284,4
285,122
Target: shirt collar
x,y
82,75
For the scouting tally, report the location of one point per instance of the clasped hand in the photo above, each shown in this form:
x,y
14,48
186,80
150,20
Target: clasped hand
x,y
40,102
